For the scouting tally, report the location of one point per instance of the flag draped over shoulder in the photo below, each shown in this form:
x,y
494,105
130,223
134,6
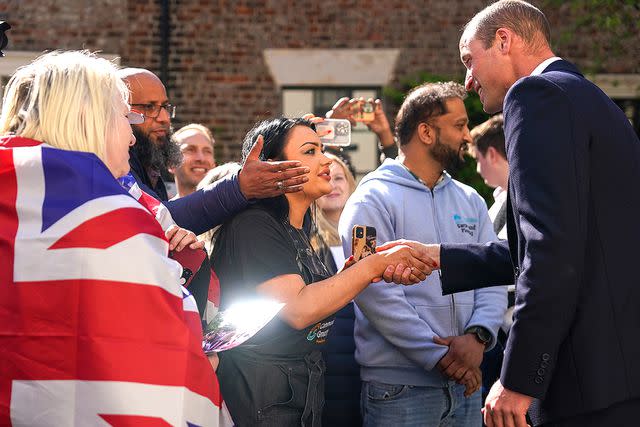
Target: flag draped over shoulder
x,y
93,326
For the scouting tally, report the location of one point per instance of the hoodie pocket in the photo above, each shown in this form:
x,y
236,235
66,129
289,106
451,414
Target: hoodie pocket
x,y
438,317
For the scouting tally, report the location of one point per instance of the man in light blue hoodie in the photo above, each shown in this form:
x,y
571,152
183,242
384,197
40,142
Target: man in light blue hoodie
x,y
420,351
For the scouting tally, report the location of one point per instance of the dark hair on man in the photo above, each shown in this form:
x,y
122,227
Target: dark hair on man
x,y
490,134
275,133
422,104
523,18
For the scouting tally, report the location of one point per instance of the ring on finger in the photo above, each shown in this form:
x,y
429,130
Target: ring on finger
x,y
280,185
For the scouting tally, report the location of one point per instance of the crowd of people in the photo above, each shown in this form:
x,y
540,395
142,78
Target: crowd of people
x,y
523,313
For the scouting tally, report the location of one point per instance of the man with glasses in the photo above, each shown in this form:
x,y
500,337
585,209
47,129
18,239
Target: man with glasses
x,y
154,151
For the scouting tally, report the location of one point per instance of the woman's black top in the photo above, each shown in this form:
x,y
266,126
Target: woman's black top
x,y
255,247
276,377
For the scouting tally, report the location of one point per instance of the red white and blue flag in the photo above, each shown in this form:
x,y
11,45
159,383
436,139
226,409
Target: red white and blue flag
x,y
93,327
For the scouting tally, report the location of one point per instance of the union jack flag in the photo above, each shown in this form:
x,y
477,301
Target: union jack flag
x,y
94,329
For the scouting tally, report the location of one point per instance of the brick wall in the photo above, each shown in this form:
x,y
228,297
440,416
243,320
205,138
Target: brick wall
x,y
217,75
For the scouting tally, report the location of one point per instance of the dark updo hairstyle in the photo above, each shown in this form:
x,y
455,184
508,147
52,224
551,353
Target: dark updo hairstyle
x,y
276,134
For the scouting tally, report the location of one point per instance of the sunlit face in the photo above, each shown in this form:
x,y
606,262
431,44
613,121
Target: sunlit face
x,y
119,139
452,135
340,191
197,158
490,166
483,167
147,89
303,144
487,72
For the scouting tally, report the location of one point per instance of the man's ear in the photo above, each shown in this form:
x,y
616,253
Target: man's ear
x,y
426,133
491,155
504,40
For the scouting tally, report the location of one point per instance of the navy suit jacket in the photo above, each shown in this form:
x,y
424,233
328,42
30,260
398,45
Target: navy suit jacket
x,y
572,248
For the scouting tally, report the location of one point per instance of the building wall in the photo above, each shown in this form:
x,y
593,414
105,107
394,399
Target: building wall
x,y
216,71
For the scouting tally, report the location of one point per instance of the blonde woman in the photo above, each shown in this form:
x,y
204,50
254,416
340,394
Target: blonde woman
x,y
328,213
92,317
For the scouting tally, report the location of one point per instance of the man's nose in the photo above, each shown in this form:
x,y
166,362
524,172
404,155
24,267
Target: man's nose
x,y
467,136
163,116
200,156
468,81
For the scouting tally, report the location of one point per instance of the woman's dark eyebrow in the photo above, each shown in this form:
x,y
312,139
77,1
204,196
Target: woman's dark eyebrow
x,y
315,144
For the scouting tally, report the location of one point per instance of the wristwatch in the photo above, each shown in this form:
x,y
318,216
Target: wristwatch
x,y
482,334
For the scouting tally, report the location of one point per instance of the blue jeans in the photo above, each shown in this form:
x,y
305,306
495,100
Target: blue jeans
x,y
386,405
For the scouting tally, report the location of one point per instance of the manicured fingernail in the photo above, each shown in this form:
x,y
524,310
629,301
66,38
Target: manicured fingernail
x,y
305,179
307,170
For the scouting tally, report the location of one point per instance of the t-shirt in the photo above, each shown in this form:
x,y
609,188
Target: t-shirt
x,y
255,247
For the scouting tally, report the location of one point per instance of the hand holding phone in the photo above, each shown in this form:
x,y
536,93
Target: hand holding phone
x,y
363,241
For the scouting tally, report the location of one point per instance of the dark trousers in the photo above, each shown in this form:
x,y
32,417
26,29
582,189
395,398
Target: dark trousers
x,y
623,414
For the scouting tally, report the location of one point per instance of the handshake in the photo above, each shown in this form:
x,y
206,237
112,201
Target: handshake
x,y
429,254
462,361
404,262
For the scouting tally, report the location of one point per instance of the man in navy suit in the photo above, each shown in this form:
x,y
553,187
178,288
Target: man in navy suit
x,y
573,353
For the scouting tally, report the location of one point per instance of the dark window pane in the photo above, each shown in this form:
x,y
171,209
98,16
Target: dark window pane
x,y
323,99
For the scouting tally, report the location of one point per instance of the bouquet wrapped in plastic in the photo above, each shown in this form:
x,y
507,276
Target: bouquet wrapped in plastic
x,y
241,321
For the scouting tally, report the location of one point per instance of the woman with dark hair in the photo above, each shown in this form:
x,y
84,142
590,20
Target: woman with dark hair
x,y
276,377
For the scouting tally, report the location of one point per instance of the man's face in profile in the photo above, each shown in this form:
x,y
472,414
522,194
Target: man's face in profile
x,y
485,72
452,136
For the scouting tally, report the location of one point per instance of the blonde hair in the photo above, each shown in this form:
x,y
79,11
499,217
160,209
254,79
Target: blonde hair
x,y
68,100
325,230
197,127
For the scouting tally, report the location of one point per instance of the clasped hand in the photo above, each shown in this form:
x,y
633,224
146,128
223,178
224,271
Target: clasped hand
x,y
462,361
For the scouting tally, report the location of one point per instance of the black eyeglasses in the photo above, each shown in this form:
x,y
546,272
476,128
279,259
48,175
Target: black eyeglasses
x,y
153,110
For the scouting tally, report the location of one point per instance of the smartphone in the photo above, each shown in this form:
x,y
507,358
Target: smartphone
x,y
367,113
363,241
334,132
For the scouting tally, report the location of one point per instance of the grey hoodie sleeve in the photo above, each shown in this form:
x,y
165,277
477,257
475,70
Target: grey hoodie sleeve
x,y
490,303
384,304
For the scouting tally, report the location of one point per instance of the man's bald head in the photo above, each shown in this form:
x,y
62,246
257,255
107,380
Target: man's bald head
x,y
147,94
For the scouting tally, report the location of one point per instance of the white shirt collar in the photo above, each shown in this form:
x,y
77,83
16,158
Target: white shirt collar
x,y
543,65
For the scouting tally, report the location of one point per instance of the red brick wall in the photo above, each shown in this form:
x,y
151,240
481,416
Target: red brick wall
x,y
217,75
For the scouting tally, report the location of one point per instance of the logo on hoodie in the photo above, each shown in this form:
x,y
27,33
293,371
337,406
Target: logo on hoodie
x,y
466,225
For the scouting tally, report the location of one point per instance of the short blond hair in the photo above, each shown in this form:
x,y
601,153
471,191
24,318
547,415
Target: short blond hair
x,y
521,17
196,127
68,100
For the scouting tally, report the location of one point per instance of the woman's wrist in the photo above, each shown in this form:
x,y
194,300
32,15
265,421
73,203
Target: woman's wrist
x,y
374,265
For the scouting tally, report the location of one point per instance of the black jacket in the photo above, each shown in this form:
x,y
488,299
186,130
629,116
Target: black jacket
x,y
573,247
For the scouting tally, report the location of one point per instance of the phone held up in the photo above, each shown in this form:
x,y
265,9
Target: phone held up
x,y
363,241
334,132
366,112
